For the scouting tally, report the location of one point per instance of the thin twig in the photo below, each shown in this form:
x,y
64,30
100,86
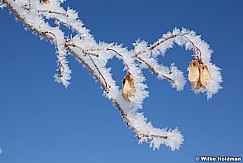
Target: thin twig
x,y
155,45
161,41
53,12
119,55
106,86
194,48
113,51
83,51
153,70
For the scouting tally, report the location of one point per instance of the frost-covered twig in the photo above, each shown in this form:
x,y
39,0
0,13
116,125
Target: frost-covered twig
x,y
35,15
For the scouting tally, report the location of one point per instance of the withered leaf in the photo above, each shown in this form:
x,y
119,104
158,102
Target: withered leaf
x,y
128,87
204,74
194,74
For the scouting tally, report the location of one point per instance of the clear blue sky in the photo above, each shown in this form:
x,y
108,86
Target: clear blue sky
x,y
42,122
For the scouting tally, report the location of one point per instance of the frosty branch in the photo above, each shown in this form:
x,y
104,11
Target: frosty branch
x,y
204,76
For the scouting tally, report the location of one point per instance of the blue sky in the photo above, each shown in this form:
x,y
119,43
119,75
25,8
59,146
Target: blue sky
x,y
42,122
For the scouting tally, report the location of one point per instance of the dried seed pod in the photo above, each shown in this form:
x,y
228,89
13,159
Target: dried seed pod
x,y
196,85
128,87
204,74
194,74
46,1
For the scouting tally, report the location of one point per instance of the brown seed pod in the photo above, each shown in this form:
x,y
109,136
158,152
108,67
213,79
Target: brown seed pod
x,y
46,1
204,74
128,87
194,74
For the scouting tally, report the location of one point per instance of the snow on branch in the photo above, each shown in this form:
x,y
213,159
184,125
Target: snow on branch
x,y
204,76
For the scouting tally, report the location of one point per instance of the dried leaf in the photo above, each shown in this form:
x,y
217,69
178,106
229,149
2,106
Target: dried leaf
x,y
194,74
204,74
128,87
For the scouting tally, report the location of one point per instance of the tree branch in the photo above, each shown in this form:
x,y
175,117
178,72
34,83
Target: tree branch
x,y
90,53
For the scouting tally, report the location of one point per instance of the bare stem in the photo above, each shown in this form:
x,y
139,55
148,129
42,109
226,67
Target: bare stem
x,y
155,45
83,51
114,51
153,70
106,86
53,12
119,55
195,48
